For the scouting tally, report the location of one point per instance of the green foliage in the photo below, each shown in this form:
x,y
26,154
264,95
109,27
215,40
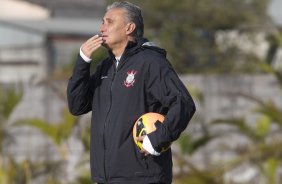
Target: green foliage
x,y
187,30
84,178
98,56
275,41
271,167
262,126
263,153
58,132
198,178
189,145
85,138
242,127
12,172
9,98
26,171
277,73
195,93
23,172
271,111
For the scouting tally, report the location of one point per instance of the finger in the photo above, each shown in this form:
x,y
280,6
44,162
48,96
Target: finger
x,y
90,46
94,37
140,138
93,41
88,52
96,47
144,152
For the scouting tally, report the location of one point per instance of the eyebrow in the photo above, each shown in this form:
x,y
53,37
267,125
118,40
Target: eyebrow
x,y
107,19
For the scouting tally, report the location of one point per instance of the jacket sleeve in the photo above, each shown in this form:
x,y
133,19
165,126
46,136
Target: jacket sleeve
x,y
163,87
80,88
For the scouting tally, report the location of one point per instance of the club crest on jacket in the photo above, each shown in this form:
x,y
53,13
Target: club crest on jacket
x,y
130,79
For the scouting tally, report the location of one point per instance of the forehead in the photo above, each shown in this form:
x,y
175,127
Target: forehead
x,y
115,13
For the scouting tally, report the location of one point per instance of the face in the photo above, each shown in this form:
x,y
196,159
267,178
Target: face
x,y
114,28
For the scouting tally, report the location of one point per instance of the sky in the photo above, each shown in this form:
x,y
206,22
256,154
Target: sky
x,y
275,10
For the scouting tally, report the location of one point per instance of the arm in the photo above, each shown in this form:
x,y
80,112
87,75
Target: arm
x,y
80,88
163,87
81,85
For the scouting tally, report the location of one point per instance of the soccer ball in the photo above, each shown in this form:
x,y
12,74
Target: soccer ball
x,y
145,125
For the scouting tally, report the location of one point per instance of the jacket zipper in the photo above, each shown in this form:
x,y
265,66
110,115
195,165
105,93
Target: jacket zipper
x,y
105,126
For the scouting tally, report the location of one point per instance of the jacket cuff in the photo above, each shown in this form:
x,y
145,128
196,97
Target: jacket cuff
x,y
155,137
148,146
84,57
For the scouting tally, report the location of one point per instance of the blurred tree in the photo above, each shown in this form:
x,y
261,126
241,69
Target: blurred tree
x,y
9,98
187,30
58,132
275,41
10,170
265,152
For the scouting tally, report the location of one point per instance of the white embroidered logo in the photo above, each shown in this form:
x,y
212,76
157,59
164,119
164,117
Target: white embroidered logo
x,y
130,79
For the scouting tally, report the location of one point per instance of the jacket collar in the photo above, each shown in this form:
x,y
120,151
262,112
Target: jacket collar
x,y
131,48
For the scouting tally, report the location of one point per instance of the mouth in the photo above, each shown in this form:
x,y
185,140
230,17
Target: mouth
x,y
104,37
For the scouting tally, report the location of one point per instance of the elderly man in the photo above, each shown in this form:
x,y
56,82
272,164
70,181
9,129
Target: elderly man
x,y
136,78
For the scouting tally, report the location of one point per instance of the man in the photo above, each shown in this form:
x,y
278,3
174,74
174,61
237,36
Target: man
x,y
135,79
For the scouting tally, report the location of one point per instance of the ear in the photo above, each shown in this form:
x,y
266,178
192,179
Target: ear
x,y
130,27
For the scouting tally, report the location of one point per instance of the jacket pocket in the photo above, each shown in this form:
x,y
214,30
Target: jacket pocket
x,y
153,168
127,162
160,166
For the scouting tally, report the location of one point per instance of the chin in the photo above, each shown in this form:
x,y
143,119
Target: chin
x,y
105,45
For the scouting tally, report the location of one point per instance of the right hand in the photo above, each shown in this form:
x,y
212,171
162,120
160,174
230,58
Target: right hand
x,y
143,151
91,45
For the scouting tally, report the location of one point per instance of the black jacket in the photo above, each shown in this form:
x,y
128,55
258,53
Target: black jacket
x,y
143,82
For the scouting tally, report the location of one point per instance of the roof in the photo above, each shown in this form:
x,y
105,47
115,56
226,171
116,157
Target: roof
x,y
20,33
73,8
58,26
15,9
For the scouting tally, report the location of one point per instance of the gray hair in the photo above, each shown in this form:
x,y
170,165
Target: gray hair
x,y
133,14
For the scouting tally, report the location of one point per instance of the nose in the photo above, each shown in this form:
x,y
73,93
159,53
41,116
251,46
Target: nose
x,y
102,28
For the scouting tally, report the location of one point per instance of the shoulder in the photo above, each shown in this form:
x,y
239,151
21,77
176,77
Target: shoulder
x,y
154,51
158,61
154,56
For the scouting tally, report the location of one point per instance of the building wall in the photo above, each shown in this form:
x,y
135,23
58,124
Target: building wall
x,y
66,51
22,64
22,54
225,95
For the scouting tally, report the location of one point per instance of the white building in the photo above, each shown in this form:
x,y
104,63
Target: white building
x,y
31,48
